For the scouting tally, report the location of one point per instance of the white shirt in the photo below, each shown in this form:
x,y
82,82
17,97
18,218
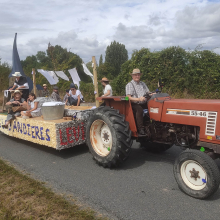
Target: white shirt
x,y
107,88
76,95
26,85
32,106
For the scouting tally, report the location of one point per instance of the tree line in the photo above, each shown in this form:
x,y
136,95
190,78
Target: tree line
x,y
186,73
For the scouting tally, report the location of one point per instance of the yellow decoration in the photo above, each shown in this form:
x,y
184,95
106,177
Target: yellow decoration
x,y
34,129
209,137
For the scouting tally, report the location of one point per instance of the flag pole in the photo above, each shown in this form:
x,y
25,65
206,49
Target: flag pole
x,y
34,81
95,81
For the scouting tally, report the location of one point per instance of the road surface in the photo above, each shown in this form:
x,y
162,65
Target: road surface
x,y
142,188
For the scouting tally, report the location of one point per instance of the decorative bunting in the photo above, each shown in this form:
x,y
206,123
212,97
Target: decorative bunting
x,y
87,72
62,75
75,76
50,79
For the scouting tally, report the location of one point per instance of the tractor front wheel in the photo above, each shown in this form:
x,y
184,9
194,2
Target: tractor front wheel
x,y
108,137
196,174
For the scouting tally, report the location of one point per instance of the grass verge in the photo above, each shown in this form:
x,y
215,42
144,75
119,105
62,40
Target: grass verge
x,y
24,198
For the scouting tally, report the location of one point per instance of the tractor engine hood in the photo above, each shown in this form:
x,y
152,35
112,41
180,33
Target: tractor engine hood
x,y
193,104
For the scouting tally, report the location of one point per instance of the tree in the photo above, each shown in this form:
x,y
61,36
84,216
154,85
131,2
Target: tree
x,y
100,60
106,70
116,54
5,70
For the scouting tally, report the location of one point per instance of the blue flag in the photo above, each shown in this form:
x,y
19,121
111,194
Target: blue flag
x,y
16,63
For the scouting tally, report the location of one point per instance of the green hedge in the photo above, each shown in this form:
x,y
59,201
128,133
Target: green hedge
x,y
87,90
196,73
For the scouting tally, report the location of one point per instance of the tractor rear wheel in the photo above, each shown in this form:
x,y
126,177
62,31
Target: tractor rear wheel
x,y
196,174
108,137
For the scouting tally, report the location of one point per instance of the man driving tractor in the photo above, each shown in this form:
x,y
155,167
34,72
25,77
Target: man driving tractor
x,y
136,90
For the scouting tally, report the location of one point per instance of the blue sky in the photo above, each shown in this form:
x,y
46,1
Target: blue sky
x,y
87,27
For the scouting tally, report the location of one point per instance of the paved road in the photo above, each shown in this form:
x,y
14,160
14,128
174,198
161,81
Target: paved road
x,y
143,188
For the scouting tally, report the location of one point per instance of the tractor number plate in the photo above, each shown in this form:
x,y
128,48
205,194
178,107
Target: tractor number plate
x,y
198,113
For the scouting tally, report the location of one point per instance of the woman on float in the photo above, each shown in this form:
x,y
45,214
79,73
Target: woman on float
x,y
107,88
75,96
33,109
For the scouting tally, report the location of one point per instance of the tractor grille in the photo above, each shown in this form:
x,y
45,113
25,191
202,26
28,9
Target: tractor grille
x,y
211,123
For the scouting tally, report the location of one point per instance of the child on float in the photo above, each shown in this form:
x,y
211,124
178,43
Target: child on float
x,y
33,109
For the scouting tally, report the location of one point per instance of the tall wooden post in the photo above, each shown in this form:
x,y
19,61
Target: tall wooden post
x,y
95,81
34,81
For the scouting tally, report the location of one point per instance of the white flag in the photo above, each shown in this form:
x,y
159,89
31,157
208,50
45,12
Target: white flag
x,y
87,72
54,76
62,75
47,76
75,76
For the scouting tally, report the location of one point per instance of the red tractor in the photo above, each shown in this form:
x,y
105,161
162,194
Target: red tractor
x,y
193,124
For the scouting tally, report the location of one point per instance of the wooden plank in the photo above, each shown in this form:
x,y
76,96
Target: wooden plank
x,y
78,107
3,104
95,81
34,82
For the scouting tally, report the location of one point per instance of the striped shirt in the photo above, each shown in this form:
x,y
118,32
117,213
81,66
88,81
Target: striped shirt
x,y
136,89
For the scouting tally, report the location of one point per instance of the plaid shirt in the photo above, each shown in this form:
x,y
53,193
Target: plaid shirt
x,y
56,97
136,89
66,98
45,93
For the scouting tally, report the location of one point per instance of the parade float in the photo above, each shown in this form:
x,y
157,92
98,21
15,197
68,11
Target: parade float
x,y
58,128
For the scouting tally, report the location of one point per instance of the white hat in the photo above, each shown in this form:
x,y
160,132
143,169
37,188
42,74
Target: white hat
x,y
17,74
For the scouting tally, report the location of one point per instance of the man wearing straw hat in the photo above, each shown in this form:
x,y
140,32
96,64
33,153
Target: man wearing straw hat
x,y
14,102
136,90
21,84
45,92
107,88
55,94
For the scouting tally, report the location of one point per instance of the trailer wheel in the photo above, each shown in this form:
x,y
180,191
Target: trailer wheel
x,y
108,137
196,174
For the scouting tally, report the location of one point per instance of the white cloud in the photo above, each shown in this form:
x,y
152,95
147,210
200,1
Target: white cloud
x,y
88,26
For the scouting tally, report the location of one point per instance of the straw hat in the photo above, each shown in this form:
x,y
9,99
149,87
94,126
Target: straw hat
x,y
17,91
17,74
104,80
44,85
135,71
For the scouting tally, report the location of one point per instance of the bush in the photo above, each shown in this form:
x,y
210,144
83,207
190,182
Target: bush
x,y
195,73
87,90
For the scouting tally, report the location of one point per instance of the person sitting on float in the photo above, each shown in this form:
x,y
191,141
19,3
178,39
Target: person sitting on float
x,y
75,96
45,92
65,98
33,109
107,88
16,101
21,84
55,94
